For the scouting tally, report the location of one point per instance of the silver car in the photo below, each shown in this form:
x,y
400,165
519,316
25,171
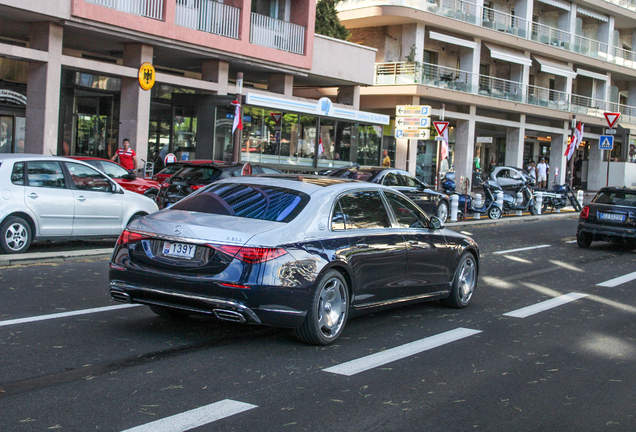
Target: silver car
x,y
50,197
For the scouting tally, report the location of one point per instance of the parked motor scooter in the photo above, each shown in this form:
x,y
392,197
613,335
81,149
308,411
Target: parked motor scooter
x,y
489,206
511,199
558,197
448,183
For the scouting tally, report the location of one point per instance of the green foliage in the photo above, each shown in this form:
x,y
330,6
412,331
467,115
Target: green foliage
x,y
411,57
327,21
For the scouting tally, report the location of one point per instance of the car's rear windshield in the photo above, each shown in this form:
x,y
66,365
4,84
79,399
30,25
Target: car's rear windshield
x,y
171,169
198,175
354,175
616,197
247,200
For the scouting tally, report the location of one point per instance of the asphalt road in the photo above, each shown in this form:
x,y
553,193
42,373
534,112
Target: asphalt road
x,y
564,365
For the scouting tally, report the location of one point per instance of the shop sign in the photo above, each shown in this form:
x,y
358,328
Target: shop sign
x,y
484,140
9,96
146,76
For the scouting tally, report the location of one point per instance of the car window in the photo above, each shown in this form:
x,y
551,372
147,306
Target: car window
x,y
409,181
87,178
267,170
337,218
616,198
93,162
170,169
113,170
515,175
17,175
406,214
199,175
45,174
390,180
504,173
364,210
249,201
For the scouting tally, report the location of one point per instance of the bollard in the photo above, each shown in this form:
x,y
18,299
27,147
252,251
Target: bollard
x,y
499,198
579,196
454,206
478,205
519,202
539,201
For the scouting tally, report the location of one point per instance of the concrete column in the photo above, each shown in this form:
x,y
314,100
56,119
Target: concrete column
x,y
216,71
43,91
469,62
559,143
631,96
412,162
413,36
597,169
515,138
282,84
349,95
572,27
465,146
134,113
401,151
523,10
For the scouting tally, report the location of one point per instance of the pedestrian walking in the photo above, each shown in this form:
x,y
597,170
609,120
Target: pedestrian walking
x,y
127,156
532,170
543,169
386,162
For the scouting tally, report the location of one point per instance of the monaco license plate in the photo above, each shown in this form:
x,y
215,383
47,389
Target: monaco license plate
x,y
612,217
179,250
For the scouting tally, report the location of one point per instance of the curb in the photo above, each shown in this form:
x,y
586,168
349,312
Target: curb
x,y
53,257
567,214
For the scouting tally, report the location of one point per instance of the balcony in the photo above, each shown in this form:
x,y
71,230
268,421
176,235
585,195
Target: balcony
x,y
209,16
506,23
146,8
277,34
400,73
627,4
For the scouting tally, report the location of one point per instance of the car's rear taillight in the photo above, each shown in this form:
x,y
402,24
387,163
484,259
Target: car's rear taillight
x,y
130,237
251,255
585,213
197,187
165,184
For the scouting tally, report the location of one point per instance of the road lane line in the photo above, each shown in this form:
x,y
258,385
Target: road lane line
x,y
571,241
65,314
545,305
521,249
195,418
381,358
618,281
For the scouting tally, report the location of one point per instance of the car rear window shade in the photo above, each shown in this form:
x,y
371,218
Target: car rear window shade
x,y
249,201
354,175
616,197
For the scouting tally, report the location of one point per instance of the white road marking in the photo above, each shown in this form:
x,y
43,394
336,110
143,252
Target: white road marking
x,y
381,358
544,306
521,249
65,314
571,241
618,281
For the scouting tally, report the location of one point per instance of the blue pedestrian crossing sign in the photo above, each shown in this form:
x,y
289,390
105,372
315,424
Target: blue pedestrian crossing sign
x,y
606,142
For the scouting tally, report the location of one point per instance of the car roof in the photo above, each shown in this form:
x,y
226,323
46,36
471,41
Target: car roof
x,y
631,189
304,183
28,156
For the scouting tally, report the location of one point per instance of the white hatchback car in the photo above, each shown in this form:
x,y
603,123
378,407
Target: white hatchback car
x,y
50,197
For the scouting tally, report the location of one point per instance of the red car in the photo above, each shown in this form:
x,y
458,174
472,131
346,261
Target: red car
x,y
125,179
172,168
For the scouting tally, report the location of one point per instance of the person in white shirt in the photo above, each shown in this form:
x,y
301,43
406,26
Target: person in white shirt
x,y
542,173
532,170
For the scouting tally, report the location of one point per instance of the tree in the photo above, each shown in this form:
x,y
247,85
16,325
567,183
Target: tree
x,y
327,21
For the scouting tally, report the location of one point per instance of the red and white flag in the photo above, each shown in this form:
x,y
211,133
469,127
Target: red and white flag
x,y
238,121
444,149
575,142
321,149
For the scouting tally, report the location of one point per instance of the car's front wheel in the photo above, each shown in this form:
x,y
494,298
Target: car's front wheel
x,y
464,283
15,235
442,211
328,311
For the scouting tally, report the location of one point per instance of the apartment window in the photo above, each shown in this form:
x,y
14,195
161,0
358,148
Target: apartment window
x,y
430,57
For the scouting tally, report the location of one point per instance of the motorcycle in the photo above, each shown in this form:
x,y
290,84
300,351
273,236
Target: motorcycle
x,y
511,200
448,183
558,197
489,206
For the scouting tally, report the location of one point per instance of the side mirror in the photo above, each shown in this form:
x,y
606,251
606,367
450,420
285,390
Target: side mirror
x,y
114,188
436,223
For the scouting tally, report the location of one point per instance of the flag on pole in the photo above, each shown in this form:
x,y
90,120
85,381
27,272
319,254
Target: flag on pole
x,y
321,149
444,149
577,137
238,121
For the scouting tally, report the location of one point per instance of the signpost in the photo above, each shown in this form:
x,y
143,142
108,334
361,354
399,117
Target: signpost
x,y
413,110
606,142
412,122
422,134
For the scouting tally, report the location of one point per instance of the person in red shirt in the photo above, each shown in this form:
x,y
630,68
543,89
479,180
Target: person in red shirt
x,y
127,156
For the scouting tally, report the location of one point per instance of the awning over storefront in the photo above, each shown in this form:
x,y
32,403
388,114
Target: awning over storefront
x,y
556,68
509,55
452,40
557,4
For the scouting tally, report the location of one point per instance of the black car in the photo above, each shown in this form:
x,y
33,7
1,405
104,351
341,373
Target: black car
x,y
303,252
611,216
432,202
193,176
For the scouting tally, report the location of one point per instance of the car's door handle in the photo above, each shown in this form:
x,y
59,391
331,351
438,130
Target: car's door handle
x,y
362,245
81,198
33,195
414,242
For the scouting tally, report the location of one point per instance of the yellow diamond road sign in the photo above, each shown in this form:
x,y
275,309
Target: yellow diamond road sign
x,y
413,110
422,134
146,76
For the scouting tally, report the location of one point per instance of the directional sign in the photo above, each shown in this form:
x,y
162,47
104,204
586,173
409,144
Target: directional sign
x,y
412,122
611,118
440,126
413,110
606,142
422,134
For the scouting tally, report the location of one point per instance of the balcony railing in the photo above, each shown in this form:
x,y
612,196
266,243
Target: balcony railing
x,y
209,16
506,23
399,73
145,8
627,4
277,34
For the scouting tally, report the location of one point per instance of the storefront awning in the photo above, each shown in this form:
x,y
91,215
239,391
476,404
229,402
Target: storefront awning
x,y
452,40
591,14
509,55
556,68
557,4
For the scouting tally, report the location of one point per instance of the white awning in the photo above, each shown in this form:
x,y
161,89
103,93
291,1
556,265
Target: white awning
x,y
591,14
452,40
590,74
509,55
557,4
556,68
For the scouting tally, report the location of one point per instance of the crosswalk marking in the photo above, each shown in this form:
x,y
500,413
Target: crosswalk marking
x,y
522,249
545,305
64,314
194,418
618,281
381,358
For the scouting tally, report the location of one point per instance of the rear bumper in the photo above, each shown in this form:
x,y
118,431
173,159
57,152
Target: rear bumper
x,y
606,233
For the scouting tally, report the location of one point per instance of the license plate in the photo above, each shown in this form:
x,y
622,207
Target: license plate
x,y
612,217
179,250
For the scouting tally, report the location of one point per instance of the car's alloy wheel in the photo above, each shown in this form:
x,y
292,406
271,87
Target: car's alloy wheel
x,y
442,211
16,235
494,213
464,283
328,311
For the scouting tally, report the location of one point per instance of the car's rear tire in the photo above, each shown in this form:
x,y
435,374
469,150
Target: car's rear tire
x,y
169,313
464,282
583,240
442,211
328,311
15,235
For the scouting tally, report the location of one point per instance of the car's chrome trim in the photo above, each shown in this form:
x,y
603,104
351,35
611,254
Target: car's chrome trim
x,y
214,301
401,300
172,238
285,311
